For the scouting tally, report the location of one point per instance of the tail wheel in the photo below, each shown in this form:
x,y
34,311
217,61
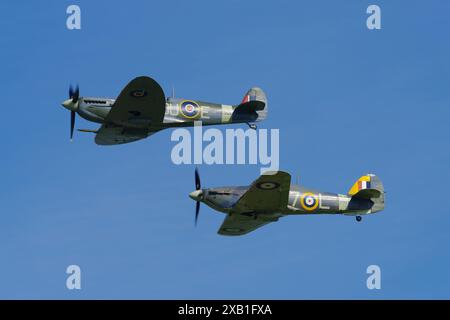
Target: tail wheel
x,y
358,218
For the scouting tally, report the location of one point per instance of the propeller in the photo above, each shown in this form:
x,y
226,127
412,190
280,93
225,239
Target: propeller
x,y
198,186
197,210
72,123
74,95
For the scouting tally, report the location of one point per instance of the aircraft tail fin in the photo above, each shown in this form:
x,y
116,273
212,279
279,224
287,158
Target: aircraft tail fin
x,y
253,106
256,98
369,187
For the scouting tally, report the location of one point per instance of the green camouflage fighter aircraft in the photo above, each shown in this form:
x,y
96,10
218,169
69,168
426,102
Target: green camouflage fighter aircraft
x,y
272,196
141,110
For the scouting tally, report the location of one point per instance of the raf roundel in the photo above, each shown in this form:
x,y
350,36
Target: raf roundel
x,y
309,201
189,109
267,185
139,93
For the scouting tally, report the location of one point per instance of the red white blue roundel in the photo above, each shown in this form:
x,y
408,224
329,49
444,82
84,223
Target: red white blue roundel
x,y
189,109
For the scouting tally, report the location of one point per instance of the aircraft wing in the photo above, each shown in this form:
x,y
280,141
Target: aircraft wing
x,y
109,134
140,104
268,193
138,111
238,224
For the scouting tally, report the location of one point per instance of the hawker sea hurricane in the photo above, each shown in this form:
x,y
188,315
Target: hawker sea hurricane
x,y
141,110
272,196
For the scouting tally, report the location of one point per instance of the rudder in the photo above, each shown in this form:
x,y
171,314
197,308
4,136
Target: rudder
x,y
253,106
371,188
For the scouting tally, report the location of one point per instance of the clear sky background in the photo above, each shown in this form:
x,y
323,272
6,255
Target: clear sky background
x,y
347,101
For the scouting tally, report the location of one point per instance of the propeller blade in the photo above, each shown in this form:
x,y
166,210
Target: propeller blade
x,y
197,180
71,92
197,209
74,94
72,123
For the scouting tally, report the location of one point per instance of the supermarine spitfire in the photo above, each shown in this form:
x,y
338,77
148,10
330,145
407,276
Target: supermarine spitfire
x,y
272,196
141,110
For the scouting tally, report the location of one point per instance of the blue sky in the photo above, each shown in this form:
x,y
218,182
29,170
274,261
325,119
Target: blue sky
x,y
347,101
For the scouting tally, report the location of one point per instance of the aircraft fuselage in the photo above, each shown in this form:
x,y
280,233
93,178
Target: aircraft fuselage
x,y
301,201
178,112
